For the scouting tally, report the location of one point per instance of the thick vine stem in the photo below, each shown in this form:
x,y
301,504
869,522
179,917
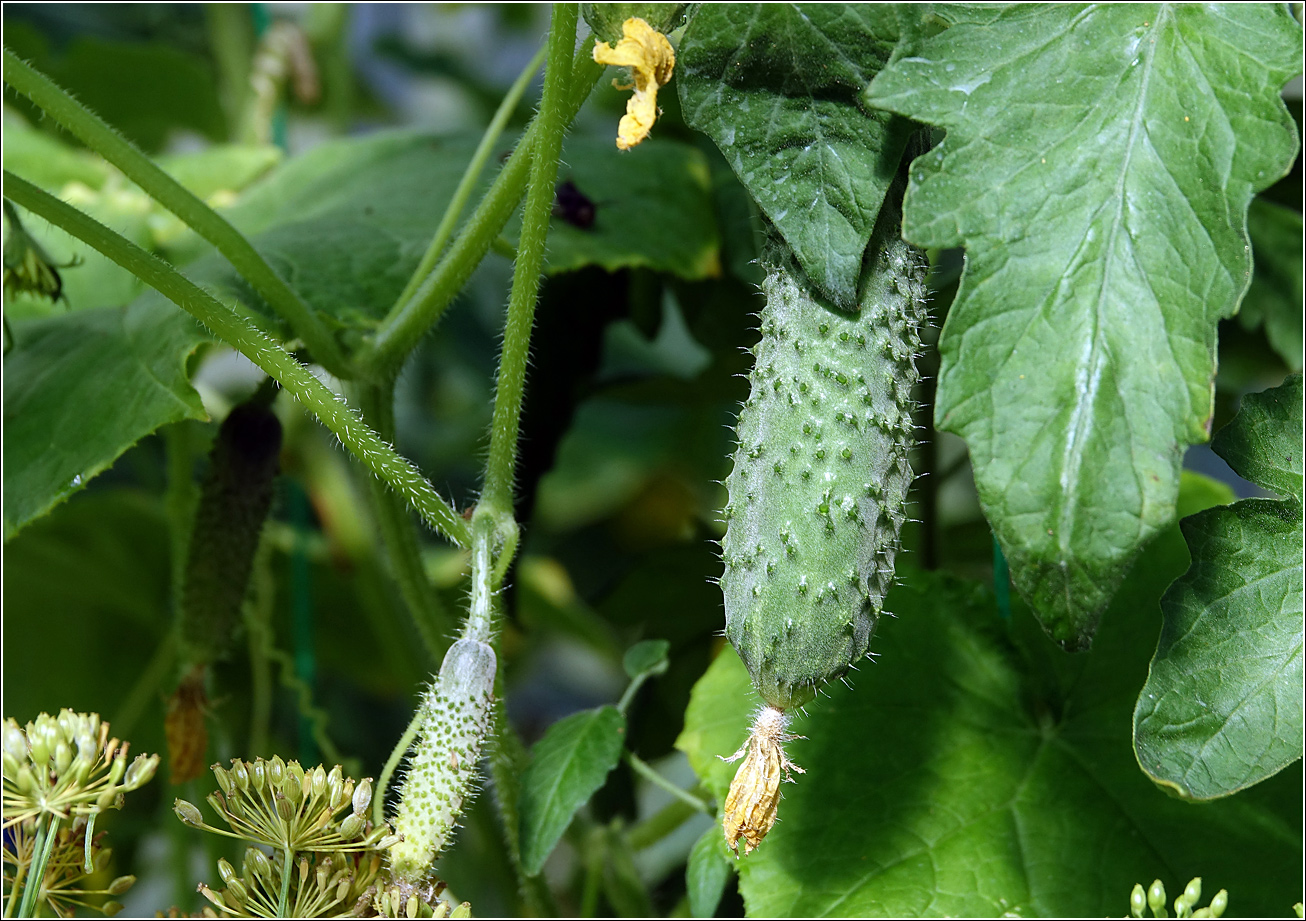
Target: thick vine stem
x,y
330,409
473,172
92,131
400,331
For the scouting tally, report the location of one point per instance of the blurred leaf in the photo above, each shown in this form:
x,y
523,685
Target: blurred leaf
x,y
87,599
777,87
46,160
567,766
966,738
652,209
707,873
1086,147
646,657
1222,706
82,388
1275,296
221,168
621,882
146,90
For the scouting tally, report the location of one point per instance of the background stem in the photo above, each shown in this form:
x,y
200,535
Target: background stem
x,y
406,324
330,409
92,131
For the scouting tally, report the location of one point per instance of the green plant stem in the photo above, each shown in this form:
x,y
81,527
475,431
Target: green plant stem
x,y
454,209
660,824
332,411
400,331
645,770
551,123
594,851
392,763
286,869
47,828
98,136
400,536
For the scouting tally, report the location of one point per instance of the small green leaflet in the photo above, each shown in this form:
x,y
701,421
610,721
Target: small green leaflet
x,y
1222,707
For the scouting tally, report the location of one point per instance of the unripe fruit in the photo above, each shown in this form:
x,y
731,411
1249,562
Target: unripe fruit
x,y
442,773
818,492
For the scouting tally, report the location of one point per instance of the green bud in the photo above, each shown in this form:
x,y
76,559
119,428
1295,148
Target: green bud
x,y
1138,901
1156,899
121,885
214,897
240,772
117,769
15,741
462,911
63,757
1221,902
295,770
26,782
141,771
258,864
352,826
276,770
258,776
363,796
110,908
1192,894
336,787
188,813
1201,913
237,892
318,783
286,810
226,870
11,766
292,787
224,780
412,907
39,750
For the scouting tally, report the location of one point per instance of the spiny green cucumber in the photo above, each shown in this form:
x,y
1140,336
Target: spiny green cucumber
x,y
234,503
455,719
818,492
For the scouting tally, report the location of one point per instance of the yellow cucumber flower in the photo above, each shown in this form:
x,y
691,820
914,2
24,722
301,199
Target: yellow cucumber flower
x,y
651,59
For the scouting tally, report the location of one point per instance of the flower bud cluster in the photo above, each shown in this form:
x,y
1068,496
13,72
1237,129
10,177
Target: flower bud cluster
x,y
1153,897
321,885
418,900
281,805
67,765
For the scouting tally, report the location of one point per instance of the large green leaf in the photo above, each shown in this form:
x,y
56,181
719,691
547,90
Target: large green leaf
x,y
567,766
1098,167
1222,707
778,87
975,769
82,388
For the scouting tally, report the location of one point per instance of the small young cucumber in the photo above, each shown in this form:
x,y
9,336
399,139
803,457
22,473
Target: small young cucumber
x,y
818,492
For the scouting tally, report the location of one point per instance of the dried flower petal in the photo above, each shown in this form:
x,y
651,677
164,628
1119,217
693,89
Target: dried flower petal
x,y
651,60
754,797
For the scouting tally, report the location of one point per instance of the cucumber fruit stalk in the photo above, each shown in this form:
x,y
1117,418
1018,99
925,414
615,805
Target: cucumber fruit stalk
x,y
818,492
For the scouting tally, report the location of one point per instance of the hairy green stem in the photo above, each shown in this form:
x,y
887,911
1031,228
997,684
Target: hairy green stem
x,y
47,827
405,325
454,209
92,131
400,536
551,124
332,411
645,770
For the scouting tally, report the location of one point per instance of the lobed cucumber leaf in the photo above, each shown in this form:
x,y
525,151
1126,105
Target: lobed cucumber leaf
x,y
1222,706
972,736
83,387
778,87
1098,167
567,766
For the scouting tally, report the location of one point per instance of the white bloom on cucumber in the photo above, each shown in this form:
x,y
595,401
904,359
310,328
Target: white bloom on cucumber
x,y
442,772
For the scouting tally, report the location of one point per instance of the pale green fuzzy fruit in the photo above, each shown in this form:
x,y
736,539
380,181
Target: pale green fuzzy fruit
x,y
442,772
819,487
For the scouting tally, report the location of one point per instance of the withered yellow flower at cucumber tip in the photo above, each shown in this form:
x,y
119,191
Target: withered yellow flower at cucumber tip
x,y
754,797
651,59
